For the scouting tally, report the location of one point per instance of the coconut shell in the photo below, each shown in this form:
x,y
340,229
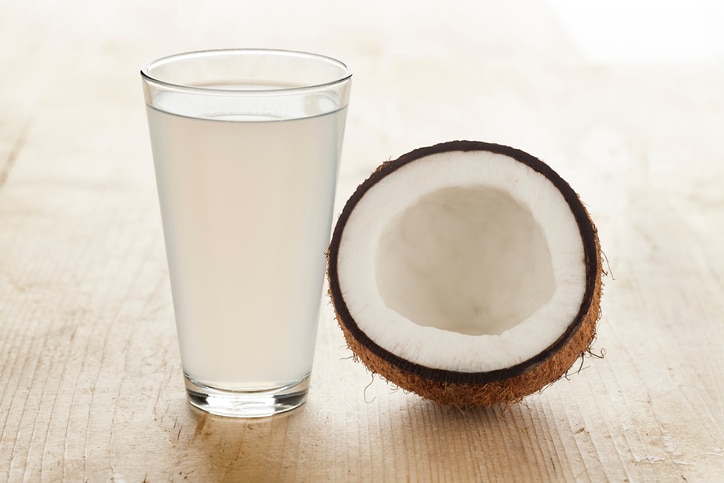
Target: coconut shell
x,y
471,389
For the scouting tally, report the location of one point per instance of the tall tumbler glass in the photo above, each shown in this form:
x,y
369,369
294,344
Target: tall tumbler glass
x,y
246,145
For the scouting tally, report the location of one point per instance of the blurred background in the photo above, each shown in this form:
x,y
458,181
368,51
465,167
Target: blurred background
x,y
572,82
615,95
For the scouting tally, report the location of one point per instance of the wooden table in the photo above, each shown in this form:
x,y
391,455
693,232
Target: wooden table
x,y
90,379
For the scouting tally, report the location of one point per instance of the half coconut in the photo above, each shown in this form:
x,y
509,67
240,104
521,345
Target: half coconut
x,y
466,272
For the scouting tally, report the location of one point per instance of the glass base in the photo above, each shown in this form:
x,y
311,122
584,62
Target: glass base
x,y
247,404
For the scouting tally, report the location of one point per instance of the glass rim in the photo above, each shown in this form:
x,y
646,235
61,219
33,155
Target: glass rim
x,y
147,76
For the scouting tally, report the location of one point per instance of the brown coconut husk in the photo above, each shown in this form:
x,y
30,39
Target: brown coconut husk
x,y
463,389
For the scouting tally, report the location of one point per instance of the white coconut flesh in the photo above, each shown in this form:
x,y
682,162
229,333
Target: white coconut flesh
x,y
463,261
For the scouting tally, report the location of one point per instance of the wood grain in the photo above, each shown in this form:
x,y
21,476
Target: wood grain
x,y
90,379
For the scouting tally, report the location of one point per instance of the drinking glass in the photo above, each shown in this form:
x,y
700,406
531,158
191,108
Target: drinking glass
x,y
246,146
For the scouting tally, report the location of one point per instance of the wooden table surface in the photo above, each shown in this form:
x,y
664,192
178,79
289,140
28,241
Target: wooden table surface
x,y
629,109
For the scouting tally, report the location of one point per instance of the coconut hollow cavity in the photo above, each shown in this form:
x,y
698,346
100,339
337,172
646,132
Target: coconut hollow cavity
x,y
466,272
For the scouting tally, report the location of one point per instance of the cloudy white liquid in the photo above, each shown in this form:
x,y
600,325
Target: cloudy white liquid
x,y
246,208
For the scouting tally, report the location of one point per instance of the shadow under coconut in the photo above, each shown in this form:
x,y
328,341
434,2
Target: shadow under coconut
x,y
478,444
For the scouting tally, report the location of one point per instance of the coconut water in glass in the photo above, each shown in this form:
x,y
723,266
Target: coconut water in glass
x,y
246,145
